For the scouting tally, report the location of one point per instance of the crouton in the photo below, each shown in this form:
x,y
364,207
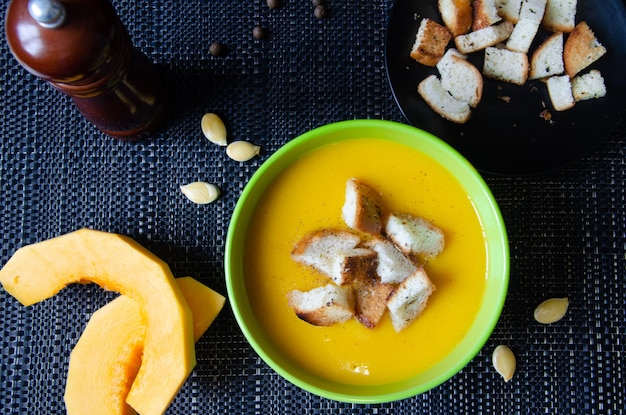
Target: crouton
x,y
485,14
362,209
533,10
431,41
522,36
349,264
456,15
414,235
527,27
581,49
460,78
483,38
588,86
409,299
560,92
506,65
333,253
547,60
370,300
393,266
322,244
323,306
440,101
560,15
509,9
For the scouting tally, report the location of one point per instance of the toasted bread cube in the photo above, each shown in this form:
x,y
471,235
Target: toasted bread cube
x,y
456,15
581,49
509,9
588,86
523,36
370,300
362,209
560,15
352,263
527,27
323,306
393,266
409,299
483,38
533,10
440,101
414,235
431,41
319,249
460,78
485,14
547,60
560,92
506,65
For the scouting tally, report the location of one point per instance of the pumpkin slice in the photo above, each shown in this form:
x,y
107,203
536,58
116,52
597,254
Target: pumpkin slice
x,y
204,303
115,262
106,358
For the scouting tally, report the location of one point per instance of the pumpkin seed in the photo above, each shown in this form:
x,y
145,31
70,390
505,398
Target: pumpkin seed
x,y
200,192
242,150
551,310
214,129
504,362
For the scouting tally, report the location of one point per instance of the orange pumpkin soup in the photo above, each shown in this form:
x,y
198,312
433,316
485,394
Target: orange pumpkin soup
x,y
308,196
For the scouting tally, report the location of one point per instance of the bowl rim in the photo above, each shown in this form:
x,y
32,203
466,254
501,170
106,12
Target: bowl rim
x,y
487,210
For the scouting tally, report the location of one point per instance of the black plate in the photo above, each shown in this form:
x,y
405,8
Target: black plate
x,y
512,138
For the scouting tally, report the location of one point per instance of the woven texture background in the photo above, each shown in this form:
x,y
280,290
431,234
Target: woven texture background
x,y
58,174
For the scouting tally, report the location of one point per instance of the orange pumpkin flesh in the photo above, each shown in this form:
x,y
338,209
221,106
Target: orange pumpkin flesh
x,y
38,271
105,360
204,303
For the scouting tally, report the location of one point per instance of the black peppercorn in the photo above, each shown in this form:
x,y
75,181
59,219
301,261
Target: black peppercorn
x,y
217,49
316,2
272,4
259,32
320,11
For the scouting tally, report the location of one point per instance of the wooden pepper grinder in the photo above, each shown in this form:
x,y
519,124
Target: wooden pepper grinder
x,y
82,49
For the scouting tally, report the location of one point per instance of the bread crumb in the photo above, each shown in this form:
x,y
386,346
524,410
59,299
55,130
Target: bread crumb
x,y
546,115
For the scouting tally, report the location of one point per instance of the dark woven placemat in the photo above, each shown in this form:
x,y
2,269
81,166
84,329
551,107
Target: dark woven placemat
x,y
58,174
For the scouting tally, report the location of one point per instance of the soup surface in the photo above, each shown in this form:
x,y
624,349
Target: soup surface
x,y
308,196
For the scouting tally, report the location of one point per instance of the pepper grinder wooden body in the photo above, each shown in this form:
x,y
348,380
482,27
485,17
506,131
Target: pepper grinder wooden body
x,y
82,49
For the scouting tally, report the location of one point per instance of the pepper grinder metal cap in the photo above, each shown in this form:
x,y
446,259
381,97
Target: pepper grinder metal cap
x,y
48,13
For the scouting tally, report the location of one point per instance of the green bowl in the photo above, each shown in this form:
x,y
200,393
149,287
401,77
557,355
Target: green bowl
x,y
496,241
